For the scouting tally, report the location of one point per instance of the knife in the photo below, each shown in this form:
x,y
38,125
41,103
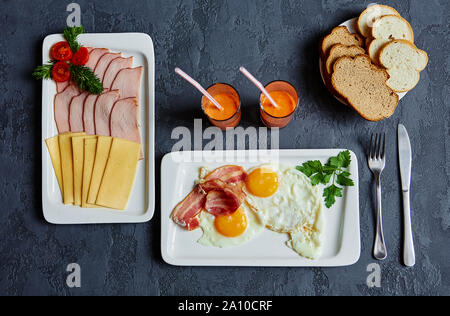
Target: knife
x,y
405,161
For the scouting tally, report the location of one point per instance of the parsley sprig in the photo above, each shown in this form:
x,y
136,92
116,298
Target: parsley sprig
x,y
86,79
71,34
43,72
336,169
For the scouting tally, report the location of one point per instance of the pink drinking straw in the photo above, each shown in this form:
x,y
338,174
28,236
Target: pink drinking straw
x,y
259,85
199,87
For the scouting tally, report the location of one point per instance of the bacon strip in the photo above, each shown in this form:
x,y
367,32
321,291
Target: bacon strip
x,y
221,194
222,198
228,174
185,213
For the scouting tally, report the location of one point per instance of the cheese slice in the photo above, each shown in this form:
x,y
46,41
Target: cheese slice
x,y
101,157
78,161
65,147
90,146
120,172
55,157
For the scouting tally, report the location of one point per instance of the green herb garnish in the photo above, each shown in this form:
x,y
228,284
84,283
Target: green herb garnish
x,y
86,79
43,72
83,76
335,169
71,34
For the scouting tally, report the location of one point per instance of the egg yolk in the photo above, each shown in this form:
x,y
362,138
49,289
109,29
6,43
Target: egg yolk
x,y
262,182
232,225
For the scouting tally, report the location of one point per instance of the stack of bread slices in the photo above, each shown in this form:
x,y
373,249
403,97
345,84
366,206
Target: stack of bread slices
x,y
367,69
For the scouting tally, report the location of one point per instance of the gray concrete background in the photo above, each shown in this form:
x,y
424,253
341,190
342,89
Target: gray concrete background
x,y
211,39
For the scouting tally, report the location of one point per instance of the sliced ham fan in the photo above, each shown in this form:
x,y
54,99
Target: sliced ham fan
x,y
62,103
102,112
76,113
124,121
103,63
94,56
128,82
113,69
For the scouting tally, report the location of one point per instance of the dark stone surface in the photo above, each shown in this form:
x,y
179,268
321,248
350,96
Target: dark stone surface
x,y
211,39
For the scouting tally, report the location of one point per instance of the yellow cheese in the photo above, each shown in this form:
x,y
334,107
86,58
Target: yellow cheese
x,y
90,146
65,147
55,156
120,172
78,161
101,157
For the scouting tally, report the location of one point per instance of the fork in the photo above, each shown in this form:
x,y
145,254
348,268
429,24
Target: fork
x,y
377,161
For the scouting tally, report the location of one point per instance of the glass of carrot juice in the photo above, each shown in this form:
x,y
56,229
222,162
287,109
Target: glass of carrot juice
x,y
229,99
286,97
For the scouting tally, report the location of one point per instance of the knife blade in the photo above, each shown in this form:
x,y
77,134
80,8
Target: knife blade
x,y
404,156
405,162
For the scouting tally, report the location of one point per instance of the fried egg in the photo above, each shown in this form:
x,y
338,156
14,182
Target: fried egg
x,y
229,231
286,202
308,241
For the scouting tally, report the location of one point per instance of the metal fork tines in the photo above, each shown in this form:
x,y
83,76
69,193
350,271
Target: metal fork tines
x,y
377,161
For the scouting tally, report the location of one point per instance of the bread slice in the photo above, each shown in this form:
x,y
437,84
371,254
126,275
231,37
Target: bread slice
x,y
375,47
340,35
404,62
370,15
392,27
363,85
340,50
386,29
367,42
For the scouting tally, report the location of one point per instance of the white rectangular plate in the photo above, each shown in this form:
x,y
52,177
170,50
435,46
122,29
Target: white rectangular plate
x,y
179,247
142,202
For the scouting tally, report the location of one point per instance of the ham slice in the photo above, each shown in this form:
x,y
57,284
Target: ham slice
x,y
94,56
88,114
102,112
113,69
128,82
103,64
62,103
61,86
216,195
124,121
76,113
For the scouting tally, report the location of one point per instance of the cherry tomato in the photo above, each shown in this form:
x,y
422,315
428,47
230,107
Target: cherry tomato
x,y
81,57
61,51
61,71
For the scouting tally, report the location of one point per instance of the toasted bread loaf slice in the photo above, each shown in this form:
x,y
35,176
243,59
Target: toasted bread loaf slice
x,y
404,62
340,35
340,50
370,15
363,85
